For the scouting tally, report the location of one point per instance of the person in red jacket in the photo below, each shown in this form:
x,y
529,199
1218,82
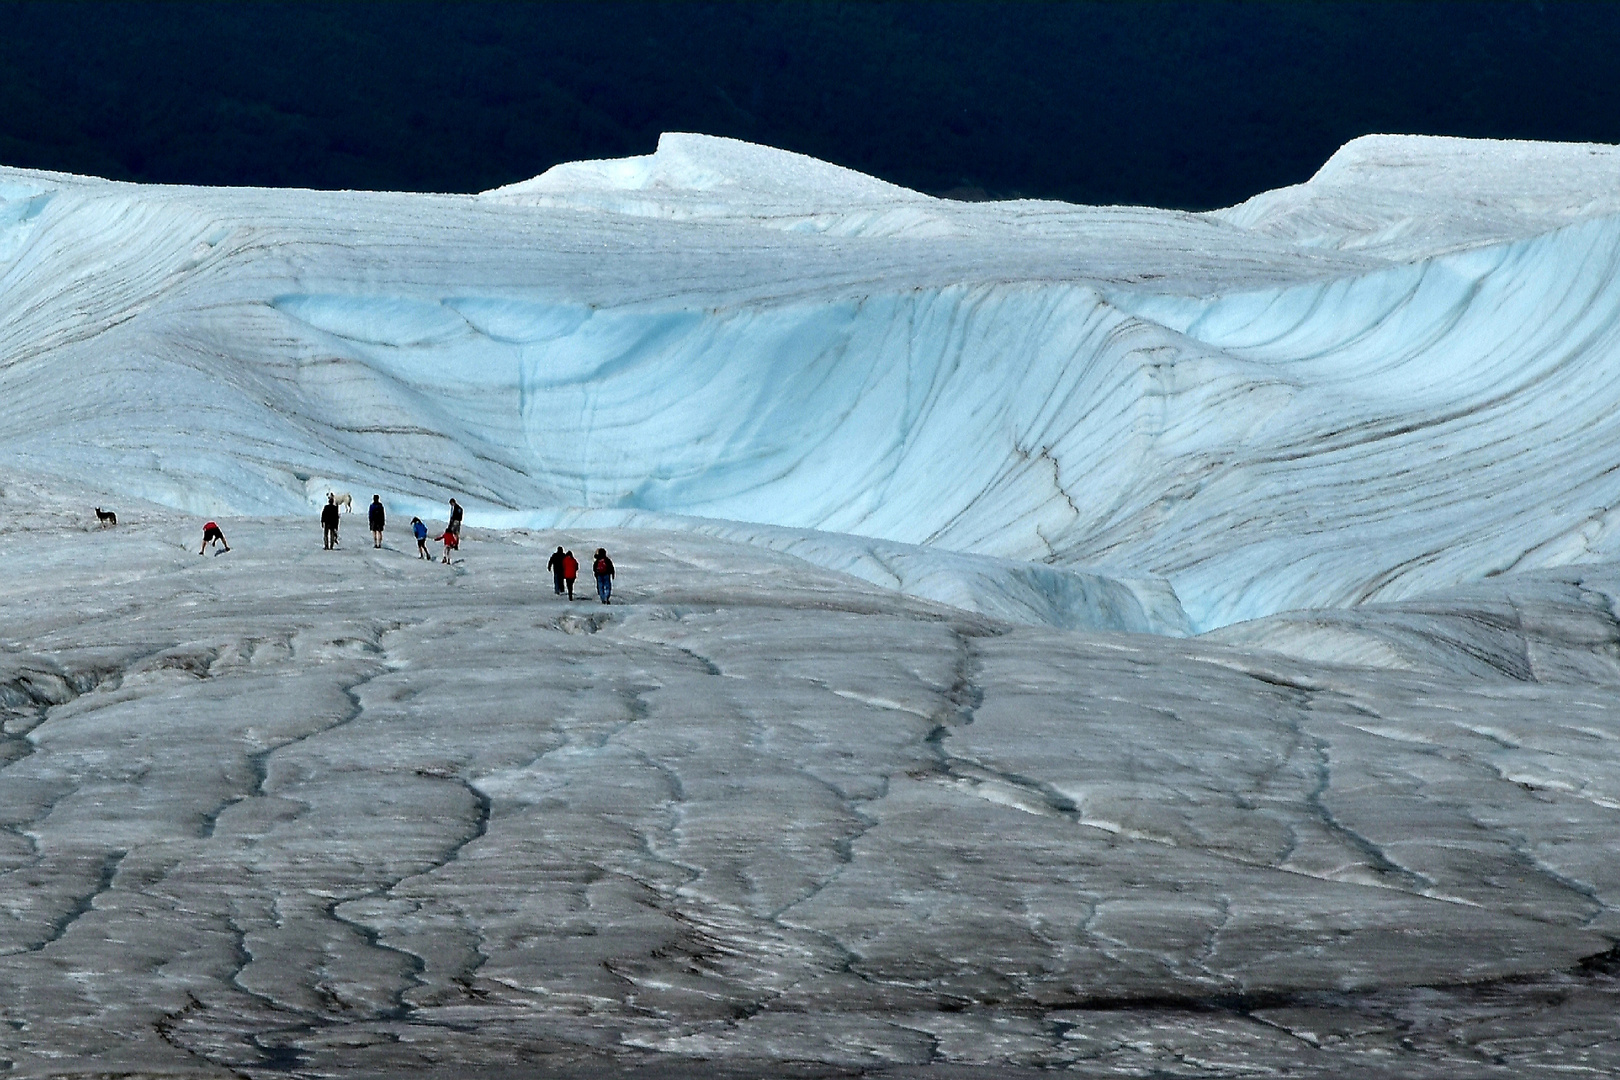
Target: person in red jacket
x,y
570,569
451,542
211,532
603,569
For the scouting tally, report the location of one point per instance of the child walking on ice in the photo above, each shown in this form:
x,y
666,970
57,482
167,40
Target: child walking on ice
x,y
419,531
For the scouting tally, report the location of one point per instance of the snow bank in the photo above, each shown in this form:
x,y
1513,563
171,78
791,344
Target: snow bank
x,y
1008,589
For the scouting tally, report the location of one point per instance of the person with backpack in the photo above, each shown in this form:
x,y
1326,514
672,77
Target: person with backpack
x,y
603,569
377,519
329,522
419,531
555,565
451,542
570,570
212,533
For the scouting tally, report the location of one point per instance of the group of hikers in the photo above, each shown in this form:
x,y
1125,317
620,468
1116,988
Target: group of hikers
x,y
562,564
565,568
378,520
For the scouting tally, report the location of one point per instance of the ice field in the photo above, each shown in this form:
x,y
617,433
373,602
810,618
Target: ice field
x,y
1047,637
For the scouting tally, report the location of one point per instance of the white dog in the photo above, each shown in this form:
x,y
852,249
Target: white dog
x,y
345,503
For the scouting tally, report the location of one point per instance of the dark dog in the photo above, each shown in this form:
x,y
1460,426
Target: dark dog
x,y
106,517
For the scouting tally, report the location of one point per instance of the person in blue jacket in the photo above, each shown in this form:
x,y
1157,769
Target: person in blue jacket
x,y
419,530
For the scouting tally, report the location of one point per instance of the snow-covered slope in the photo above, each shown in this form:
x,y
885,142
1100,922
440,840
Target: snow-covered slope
x,y
1366,387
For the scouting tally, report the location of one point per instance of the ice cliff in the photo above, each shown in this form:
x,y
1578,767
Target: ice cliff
x,y
1399,376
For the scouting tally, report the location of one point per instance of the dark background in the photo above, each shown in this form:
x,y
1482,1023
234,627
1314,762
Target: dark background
x,y
1183,105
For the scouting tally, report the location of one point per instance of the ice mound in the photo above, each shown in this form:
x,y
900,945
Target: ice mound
x,y
1410,196
686,162
1547,626
704,176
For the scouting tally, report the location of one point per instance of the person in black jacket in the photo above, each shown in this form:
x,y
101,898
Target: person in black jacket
x,y
377,519
603,569
455,519
555,565
329,522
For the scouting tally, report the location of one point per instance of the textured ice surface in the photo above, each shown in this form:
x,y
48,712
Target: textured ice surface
x,y
331,814
1047,637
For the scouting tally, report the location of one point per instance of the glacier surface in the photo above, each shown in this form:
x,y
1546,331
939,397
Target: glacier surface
x,y
285,811
1049,637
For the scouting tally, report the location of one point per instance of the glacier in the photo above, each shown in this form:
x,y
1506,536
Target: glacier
x,y
1259,412
1048,638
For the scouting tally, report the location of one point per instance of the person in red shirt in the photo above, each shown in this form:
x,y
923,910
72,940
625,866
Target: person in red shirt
x,y
570,569
603,569
211,532
451,542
